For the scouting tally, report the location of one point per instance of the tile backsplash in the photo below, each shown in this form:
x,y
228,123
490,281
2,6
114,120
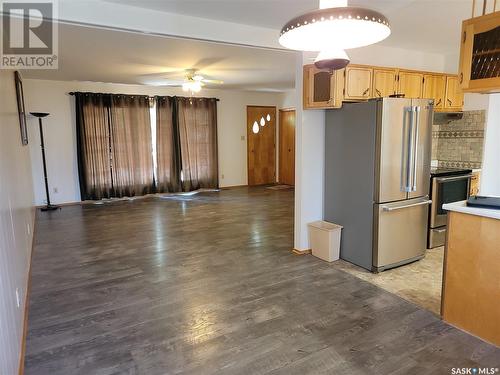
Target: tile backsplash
x,y
459,144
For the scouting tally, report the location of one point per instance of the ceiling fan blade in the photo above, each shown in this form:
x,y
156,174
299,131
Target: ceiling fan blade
x,y
213,81
206,62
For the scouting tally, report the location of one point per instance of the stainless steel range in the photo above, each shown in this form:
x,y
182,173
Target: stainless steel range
x,y
447,185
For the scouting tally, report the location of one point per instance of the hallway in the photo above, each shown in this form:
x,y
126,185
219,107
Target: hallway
x,y
207,284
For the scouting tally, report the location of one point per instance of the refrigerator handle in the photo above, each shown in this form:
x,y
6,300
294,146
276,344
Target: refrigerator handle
x,y
415,149
422,203
409,150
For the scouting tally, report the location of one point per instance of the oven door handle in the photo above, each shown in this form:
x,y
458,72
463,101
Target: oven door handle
x,y
453,178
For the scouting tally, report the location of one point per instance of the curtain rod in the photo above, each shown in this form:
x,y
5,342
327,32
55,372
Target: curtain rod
x,y
72,93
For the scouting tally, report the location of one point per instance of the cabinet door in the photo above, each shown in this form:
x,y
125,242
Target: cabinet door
x,y
358,83
410,84
480,54
454,94
384,82
319,87
434,88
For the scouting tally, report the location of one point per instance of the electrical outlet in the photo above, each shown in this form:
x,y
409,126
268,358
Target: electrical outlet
x,y
242,137
18,298
222,176
28,228
56,190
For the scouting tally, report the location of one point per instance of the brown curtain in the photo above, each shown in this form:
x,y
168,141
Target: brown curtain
x,y
131,148
197,123
167,146
93,145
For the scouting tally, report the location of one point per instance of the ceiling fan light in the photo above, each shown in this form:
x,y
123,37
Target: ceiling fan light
x,y
196,86
340,27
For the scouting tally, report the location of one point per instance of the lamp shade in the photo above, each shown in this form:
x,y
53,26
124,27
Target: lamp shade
x,y
340,27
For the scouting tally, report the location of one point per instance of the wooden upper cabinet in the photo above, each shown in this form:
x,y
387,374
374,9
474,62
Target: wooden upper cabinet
x,y
435,88
480,54
454,95
320,88
358,83
384,82
410,84
326,89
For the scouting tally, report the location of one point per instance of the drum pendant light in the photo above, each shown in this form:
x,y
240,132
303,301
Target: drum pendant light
x,y
334,28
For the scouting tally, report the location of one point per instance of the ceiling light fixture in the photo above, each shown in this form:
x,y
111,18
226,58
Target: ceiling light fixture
x,y
192,86
332,29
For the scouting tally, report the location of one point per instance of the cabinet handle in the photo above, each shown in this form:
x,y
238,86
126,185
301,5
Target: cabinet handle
x,y
449,102
378,93
461,77
438,102
366,91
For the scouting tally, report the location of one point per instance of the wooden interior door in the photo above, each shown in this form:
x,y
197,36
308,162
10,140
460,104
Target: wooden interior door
x,y
261,145
287,147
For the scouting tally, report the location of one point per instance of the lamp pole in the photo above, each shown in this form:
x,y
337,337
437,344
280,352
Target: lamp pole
x,y
48,206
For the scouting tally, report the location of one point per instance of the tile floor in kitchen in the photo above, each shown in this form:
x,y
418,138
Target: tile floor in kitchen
x,y
419,282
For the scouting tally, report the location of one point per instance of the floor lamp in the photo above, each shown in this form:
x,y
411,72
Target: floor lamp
x,y
48,206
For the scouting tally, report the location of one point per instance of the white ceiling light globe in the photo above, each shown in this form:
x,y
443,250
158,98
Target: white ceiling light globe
x,y
341,28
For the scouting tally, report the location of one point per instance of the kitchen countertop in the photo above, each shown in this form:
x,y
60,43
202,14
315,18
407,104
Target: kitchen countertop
x,y
462,207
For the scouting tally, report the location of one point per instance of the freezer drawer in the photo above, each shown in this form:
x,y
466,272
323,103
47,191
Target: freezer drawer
x,y
399,232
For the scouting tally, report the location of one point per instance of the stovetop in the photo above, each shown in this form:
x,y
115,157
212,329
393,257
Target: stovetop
x,y
449,171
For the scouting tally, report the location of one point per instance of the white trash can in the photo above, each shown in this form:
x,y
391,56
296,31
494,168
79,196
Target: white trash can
x,y
324,238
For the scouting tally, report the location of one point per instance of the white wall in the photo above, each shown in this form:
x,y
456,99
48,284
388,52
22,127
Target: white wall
x,y
16,226
490,175
309,163
60,134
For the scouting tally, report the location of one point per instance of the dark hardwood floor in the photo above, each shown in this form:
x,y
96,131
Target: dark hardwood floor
x,y
207,285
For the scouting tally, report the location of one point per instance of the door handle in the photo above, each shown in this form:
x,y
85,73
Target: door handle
x,y
415,148
409,151
453,178
423,203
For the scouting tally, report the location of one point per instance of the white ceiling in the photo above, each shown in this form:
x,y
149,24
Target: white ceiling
x,y
90,54
425,25
104,55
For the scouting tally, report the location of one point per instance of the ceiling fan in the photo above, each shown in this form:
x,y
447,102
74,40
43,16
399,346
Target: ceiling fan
x,y
192,82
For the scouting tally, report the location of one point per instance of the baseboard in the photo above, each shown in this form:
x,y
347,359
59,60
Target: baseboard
x,y
232,187
27,299
62,204
301,252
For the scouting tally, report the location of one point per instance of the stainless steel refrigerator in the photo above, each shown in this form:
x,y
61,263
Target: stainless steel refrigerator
x,y
377,174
